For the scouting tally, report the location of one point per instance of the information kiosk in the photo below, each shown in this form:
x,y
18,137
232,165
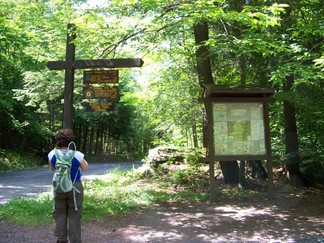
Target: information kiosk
x,y
238,128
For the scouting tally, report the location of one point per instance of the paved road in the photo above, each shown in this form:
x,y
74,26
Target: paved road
x,y
29,183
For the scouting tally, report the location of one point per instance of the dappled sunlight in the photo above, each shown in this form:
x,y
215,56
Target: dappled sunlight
x,y
224,223
93,177
10,187
244,218
147,234
242,212
30,190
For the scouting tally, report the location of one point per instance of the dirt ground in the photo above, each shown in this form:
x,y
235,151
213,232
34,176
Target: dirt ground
x,y
295,217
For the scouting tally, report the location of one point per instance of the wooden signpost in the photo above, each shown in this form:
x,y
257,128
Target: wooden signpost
x,y
70,64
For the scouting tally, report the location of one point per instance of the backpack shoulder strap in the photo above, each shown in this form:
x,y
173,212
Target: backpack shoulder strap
x,y
57,153
71,155
73,151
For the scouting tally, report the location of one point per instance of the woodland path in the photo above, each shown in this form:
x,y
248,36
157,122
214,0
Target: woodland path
x,y
288,217
295,217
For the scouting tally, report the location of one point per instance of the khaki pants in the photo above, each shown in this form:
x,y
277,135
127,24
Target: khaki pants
x,y
67,220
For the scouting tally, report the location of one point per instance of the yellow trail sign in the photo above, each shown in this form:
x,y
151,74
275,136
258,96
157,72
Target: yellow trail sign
x,y
109,92
100,76
100,106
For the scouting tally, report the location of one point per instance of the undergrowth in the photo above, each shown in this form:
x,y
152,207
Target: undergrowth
x,y
10,161
120,193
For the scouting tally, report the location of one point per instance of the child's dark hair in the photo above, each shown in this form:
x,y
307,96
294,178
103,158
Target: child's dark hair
x,y
64,137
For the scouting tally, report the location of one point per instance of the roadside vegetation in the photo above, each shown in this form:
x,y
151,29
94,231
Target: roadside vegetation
x,y
249,45
122,193
11,160
117,194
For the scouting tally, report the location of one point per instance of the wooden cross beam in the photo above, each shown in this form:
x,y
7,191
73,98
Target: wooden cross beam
x,y
70,64
100,63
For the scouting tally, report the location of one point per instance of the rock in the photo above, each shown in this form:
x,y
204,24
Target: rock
x,y
160,155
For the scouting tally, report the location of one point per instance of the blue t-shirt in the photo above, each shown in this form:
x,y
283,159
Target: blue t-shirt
x,y
77,159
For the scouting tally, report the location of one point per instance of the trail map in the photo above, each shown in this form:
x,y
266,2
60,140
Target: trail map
x,y
239,129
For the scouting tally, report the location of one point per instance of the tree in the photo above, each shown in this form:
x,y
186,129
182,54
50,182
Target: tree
x,y
17,122
299,46
246,43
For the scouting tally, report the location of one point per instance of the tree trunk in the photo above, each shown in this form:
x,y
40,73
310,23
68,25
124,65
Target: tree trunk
x,y
203,68
229,169
97,141
77,128
242,64
194,132
85,138
291,138
257,170
202,55
91,140
242,181
101,144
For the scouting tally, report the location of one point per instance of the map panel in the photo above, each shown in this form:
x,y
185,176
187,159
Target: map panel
x,y
238,129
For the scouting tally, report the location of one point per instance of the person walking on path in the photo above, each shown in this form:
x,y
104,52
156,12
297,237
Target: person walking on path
x,y
68,205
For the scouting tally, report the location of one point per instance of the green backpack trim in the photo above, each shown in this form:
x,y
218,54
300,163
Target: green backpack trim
x,y
62,181
62,175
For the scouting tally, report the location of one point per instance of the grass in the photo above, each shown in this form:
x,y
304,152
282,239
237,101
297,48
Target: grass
x,y
121,193
34,211
117,194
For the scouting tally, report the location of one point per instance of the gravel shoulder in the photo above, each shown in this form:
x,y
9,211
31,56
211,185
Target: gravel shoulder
x,y
297,217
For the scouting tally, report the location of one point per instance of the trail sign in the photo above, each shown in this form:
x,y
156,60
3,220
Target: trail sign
x,y
70,64
237,128
100,106
107,92
100,76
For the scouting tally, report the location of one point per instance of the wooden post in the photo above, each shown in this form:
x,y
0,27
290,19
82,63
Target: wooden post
x,y
270,178
212,183
211,151
268,148
70,64
69,77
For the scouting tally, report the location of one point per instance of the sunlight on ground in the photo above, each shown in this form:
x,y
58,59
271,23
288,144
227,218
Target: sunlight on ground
x,y
241,213
226,223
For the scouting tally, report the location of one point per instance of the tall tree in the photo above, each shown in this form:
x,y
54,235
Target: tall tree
x,y
301,44
245,44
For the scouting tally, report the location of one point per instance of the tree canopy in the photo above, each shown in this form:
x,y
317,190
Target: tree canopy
x,y
275,44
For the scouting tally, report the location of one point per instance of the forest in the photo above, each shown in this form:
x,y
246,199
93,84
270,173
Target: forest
x,y
186,46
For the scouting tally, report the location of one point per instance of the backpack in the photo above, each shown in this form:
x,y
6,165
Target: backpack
x,y
62,181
